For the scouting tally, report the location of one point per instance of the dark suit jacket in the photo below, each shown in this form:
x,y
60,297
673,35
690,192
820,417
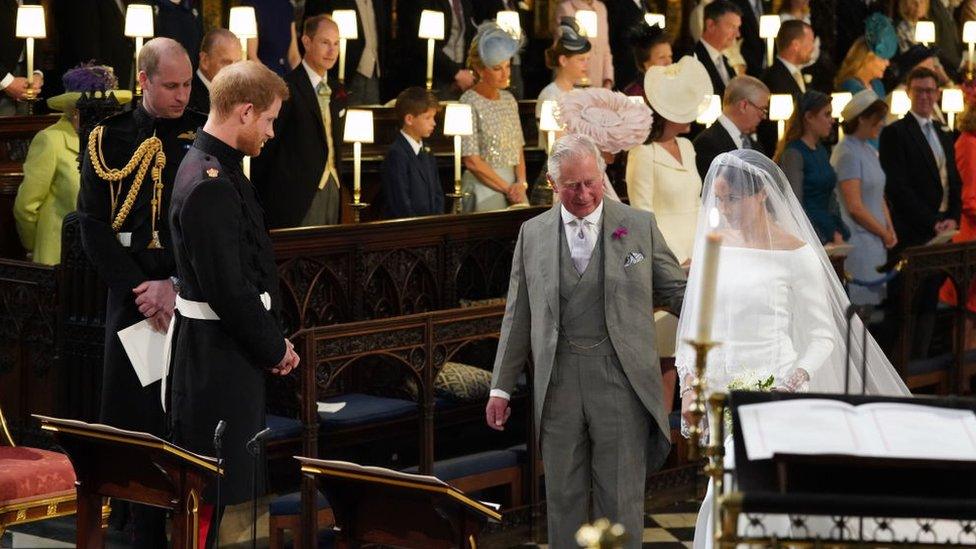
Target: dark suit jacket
x,y
622,15
753,47
10,47
354,48
913,187
718,87
411,184
444,68
288,170
779,80
713,141
87,30
199,95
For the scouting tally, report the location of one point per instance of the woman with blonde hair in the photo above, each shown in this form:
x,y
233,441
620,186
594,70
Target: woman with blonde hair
x,y
909,12
865,63
494,162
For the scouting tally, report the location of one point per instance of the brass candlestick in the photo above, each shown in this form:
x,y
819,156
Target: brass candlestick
x,y
698,387
456,197
357,208
715,452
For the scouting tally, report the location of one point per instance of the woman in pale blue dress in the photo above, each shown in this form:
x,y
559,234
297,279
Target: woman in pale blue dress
x,y
861,185
493,156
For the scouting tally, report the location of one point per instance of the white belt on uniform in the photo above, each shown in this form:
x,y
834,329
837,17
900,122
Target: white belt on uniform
x,y
198,310
125,239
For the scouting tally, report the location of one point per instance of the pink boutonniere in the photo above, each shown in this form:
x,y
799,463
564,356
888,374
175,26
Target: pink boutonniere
x,y
619,233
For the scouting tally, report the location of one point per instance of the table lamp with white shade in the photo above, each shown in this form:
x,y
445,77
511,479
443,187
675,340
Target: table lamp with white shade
x,y
30,25
768,29
655,19
458,122
244,24
952,103
925,32
509,20
346,21
969,37
431,28
900,103
548,123
711,111
139,25
586,19
780,110
358,130
839,100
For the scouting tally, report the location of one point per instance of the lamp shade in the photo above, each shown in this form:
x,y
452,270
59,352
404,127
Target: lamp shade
x,y
952,100
139,21
509,20
769,26
359,126
839,100
458,119
243,23
655,19
925,32
900,103
969,32
587,22
780,106
547,122
431,25
30,22
711,111
346,21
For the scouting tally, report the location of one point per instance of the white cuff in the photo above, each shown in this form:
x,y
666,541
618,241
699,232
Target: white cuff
x,y
7,80
500,394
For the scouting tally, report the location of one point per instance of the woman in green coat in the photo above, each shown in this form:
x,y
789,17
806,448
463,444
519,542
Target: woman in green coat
x,y
49,190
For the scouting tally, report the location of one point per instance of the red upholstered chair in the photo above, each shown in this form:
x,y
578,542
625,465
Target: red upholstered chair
x,y
35,484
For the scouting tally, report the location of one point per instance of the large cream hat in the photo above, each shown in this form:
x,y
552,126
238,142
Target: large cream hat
x,y
678,91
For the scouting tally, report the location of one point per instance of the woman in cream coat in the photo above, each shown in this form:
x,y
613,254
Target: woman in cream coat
x,y
661,173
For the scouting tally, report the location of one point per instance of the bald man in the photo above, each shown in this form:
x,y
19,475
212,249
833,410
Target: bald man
x,y
219,48
125,233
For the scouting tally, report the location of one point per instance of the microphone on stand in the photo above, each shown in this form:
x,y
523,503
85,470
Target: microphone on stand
x,y
254,447
218,442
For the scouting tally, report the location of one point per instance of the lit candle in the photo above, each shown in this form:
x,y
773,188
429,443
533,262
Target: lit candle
x,y
431,28
357,154
30,62
709,278
457,164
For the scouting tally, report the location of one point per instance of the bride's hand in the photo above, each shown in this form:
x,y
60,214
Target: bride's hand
x,y
687,398
794,382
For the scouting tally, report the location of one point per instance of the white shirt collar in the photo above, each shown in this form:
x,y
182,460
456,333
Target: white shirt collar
x,y
921,121
789,66
312,75
734,132
415,145
203,79
714,54
593,217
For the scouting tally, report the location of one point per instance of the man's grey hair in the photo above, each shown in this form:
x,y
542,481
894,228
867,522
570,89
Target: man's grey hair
x,y
572,147
744,87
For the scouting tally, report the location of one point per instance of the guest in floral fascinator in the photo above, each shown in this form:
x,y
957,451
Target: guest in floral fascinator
x,y
51,178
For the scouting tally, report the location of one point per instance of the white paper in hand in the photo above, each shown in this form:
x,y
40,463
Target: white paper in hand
x,y
146,350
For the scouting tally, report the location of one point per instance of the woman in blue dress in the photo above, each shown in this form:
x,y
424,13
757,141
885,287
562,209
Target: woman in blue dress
x,y
861,183
804,159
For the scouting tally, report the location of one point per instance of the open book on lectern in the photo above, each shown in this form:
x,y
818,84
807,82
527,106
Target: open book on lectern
x,y
877,430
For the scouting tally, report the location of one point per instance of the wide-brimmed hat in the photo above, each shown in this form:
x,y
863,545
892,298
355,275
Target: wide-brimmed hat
x,y
678,91
858,104
87,77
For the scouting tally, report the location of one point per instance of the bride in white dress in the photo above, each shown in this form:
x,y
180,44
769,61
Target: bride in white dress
x,y
779,307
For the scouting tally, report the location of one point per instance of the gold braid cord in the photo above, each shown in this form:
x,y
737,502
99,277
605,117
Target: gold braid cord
x,y
149,150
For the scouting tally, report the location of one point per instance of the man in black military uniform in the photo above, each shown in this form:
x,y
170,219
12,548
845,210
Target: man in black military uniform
x,y
227,335
127,177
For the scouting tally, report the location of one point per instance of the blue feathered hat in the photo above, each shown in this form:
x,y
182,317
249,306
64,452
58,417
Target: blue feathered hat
x,y
879,34
495,44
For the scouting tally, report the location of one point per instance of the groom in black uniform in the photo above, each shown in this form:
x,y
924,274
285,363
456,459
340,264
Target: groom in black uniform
x,y
122,214
228,335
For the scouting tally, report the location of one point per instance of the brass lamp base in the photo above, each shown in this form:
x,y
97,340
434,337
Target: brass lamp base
x,y
357,208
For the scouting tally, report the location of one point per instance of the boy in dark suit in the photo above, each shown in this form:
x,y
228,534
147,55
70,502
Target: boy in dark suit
x,y
411,184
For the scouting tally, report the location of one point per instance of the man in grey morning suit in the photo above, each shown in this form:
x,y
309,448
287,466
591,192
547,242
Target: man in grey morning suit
x,y
585,279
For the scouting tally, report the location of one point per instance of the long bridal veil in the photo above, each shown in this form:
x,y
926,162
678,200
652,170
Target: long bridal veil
x,y
780,309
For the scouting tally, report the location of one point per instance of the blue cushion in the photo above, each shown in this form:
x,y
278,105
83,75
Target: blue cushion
x,y
361,409
291,504
283,427
472,464
929,365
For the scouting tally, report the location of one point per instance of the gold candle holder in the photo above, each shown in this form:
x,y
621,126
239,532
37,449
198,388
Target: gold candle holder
x,y
698,387
715,468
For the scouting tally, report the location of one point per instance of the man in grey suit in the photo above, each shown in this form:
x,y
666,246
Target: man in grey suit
x,y
585,279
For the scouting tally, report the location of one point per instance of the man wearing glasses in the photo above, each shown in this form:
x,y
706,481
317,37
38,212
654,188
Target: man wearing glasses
x,y
744,105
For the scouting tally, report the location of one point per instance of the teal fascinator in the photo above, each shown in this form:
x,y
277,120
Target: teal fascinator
x,y
880,36
495,44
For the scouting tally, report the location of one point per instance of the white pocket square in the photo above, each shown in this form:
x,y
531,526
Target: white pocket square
x,y
633,258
